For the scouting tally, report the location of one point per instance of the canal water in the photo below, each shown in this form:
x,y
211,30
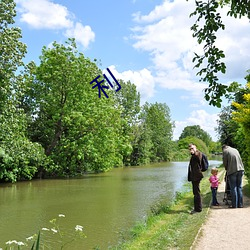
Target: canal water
x,y
105,204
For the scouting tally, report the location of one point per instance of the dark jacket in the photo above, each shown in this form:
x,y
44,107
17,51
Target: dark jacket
x,y
194,168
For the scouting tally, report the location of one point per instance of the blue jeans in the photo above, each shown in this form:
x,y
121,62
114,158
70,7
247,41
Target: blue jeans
x,y
235,182
214,196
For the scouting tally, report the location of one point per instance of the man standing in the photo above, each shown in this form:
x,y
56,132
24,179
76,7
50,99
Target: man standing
x,y
235,170
195,175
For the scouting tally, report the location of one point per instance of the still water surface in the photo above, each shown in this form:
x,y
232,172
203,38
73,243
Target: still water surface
x,y
104,204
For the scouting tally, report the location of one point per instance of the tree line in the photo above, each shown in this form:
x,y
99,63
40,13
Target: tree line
x,y
53,123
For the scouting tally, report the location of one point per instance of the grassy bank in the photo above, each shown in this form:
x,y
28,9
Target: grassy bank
x,y
170,227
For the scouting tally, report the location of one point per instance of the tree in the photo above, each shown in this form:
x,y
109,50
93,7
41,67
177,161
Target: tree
x,y
227,127
128,99
142,145
12,50
196,131
229,130
184,142
208,23
20,158
242,117
79,131
233,123
215,148
156,120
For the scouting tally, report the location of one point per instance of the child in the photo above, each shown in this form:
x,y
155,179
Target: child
x,y
214,185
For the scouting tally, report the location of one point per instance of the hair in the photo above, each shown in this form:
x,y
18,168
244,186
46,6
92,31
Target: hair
x,y
214,170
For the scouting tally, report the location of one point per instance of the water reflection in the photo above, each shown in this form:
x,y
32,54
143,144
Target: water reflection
x,y
105,204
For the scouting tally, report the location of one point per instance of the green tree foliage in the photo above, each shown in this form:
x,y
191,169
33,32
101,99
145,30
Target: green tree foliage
x,y
142,145
215,148
53,123
227,127
207,24
19,158
183,144
179,154
128,99
233,126
157,124
12,50
79,130
196,131
241,116
229,130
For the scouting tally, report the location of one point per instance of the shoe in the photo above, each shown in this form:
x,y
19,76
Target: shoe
x,y
217,204
231,207
194,212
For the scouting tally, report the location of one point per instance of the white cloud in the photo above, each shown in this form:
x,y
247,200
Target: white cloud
x,y
165,33
143,80
159,12
83,34
234,41
207,122
44,14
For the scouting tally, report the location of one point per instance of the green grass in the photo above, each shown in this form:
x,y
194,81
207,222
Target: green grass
x,y
246,188
170,226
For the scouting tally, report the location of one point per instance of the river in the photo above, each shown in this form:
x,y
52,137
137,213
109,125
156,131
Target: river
x,y
104,204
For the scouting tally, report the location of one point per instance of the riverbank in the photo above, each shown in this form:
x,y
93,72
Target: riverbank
x,y
173,227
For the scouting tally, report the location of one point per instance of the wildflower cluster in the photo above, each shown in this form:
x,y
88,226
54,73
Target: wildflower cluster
x,y
40,239
18,243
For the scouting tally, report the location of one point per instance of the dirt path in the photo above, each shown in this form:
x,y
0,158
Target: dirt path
x,y
225,228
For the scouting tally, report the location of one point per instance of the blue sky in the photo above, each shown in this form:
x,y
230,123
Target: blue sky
x,y
148,42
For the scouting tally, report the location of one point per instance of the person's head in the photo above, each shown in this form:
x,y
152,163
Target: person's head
x,y
192,148
214,171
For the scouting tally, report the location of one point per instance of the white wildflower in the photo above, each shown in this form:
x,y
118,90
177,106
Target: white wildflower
x,y
29,238
45,229
10,242
78,228
61,215
20,243
54,230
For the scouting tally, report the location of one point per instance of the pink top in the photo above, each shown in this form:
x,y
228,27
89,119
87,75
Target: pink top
x,y
214,181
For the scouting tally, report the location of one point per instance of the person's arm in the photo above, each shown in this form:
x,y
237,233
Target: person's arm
x,y
224,159
210,180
